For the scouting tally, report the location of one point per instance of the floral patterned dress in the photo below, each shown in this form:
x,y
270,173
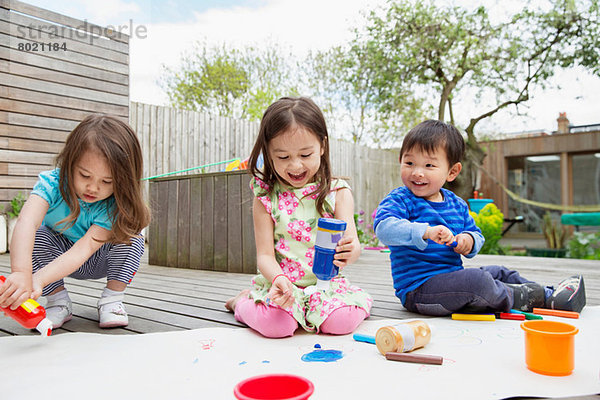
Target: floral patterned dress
x,y
295,217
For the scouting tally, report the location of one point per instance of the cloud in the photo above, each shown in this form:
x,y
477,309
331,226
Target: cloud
x,y
303,26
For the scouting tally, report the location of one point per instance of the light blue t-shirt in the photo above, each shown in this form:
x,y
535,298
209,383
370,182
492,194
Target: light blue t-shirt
x,y
97,213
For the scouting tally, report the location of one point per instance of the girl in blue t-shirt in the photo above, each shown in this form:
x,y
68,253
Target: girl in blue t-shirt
x,y
82,220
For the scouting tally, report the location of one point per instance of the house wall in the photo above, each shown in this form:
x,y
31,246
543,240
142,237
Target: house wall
x,y
566,145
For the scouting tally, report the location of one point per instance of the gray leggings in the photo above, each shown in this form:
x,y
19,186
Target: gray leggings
x,y
117,262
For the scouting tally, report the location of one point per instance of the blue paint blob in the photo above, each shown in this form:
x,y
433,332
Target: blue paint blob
x,y
243,363
317,346
266,361
322,356
195,361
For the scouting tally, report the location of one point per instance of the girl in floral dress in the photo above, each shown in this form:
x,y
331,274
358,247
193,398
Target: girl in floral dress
x,y
292,190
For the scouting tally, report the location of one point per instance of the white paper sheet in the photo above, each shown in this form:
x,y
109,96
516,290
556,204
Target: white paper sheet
x,y
482,360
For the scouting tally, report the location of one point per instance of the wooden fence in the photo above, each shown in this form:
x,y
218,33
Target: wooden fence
x,y
54,70
203,221
174,140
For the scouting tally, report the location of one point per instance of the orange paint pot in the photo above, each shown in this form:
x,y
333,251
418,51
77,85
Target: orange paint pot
x,y
549,347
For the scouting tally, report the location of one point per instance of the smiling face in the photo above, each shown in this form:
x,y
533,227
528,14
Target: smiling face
x,y
296,156
92,177
425,173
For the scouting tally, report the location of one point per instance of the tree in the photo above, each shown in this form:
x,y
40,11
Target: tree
x,y
231,82
420,56
339,78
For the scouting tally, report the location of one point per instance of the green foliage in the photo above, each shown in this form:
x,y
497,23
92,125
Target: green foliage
x,y
366,235
16,204
341,83
553,232
227,81
490,220
420,58
584,245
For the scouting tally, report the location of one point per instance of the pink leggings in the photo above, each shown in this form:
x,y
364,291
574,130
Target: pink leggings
x,y
276,323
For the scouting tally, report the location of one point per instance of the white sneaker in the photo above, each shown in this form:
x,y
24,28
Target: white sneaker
x,y
59,311
111,312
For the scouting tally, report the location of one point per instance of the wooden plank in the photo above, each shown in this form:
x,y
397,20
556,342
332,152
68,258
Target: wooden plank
x,y
63,90
172,220
9,143
177,141
153,229
221,233
90,107
196,223
171,141
208,227
62,77
163,133
22,107
6,194
60,19
32,58
24,157
160,210
33,133
23,169
234,226
10,43
27,30
247,227
147,128
17,182
184,223
36,121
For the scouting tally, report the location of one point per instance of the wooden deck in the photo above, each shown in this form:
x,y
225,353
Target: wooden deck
x,y
164,299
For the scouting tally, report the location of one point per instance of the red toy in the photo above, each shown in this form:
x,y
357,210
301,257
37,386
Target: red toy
x,y
30,315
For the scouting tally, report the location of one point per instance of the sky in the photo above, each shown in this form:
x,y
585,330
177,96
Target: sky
x,y
172,27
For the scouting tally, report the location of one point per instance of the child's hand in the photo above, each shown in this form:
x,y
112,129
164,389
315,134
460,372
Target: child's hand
x,y
465,243
15,290
439,234
282,292
346,251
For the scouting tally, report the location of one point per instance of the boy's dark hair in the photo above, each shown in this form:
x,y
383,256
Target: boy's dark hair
x,y
431,134
284,114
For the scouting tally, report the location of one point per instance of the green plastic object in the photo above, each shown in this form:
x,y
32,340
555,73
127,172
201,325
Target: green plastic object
x,y
580,219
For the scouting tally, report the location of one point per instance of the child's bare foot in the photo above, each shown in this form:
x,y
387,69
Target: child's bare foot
x,y
230,303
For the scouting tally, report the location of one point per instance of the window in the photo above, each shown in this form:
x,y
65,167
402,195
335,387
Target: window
x,y
535,178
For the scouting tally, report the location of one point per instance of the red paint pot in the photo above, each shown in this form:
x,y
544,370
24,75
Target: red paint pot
x,y
274,386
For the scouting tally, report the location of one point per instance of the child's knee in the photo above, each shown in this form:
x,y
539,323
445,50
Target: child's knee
x,y
475,278
343,320
279,327
268,321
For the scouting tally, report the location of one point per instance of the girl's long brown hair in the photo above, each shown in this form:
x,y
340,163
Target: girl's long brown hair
x,y
280,116
118,143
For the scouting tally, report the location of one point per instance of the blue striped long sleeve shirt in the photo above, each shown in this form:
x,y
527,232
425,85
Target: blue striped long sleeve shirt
x,y
400,223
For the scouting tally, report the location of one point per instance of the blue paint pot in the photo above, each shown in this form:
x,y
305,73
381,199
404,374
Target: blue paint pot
x,y
477,204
